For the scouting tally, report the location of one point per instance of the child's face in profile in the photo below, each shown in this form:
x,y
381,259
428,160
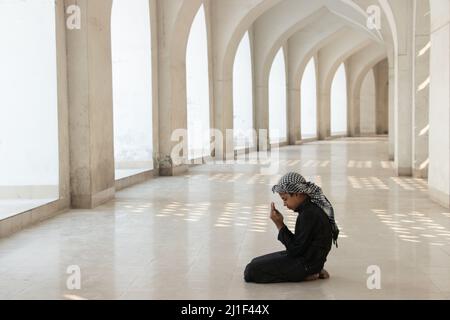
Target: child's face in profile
x,y
292,202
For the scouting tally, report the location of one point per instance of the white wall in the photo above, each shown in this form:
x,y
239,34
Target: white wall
x,y
339,103
132,84
28,99
243,95
198,88
309,101
277,100
368,105
439,171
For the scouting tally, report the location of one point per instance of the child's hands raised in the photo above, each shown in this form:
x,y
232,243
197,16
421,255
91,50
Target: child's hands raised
x,y
276,217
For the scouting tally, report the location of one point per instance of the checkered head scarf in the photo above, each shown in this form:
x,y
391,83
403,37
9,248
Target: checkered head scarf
x,y
294,183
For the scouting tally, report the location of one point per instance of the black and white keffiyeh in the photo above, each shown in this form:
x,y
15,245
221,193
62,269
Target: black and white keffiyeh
x,y
294,183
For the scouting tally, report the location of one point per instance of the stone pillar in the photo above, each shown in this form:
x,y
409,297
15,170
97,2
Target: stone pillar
x,y
368,105
63,106
261,97
90,105
294,101
354,99
403,113
351,123
381,72
316,59
174,21
421,88
323,101
223,115
262,115
392,92
439,171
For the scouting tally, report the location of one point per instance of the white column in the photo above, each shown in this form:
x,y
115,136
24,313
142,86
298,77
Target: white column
x,y
174,22
421,88
381,71
403,113
90,106
294,102
392,92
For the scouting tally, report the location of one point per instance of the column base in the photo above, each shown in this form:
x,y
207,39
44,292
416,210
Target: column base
x,y
173,171
404,172
420,173
93,201
440,197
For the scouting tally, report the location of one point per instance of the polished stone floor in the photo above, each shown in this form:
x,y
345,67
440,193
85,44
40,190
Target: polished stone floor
x,y
190,237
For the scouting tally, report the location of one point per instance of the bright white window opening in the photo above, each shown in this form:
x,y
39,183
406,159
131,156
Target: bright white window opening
x,y
243,96
198,89
339,103
277,100
309,102
29,153
132,87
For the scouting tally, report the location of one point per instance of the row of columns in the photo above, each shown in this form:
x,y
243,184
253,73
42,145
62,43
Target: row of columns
x,y
90,88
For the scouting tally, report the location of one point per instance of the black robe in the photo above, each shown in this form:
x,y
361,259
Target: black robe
x,y
306,249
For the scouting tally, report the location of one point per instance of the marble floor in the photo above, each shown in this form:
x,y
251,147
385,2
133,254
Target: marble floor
x,y
190,237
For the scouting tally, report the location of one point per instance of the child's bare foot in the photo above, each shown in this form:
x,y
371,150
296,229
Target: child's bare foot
x,y
324,274
313,277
